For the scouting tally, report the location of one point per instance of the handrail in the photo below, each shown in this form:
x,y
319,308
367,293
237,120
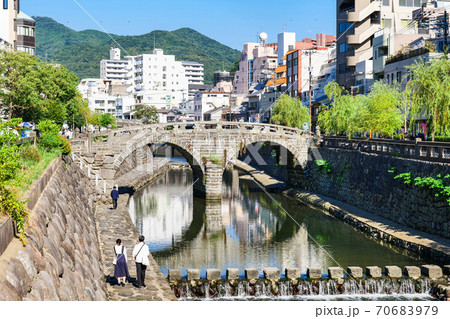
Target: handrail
x,y
90,170
422,150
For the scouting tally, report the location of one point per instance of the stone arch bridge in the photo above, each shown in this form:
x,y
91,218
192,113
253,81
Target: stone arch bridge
x,y
207,146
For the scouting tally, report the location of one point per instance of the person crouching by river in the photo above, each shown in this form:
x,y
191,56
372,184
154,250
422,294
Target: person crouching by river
x,y
120,261
140,256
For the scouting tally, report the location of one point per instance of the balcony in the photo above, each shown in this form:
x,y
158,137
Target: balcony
x,y
361,37
361,15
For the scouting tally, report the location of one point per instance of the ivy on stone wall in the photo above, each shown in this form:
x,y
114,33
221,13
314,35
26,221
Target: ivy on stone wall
x,y
439,186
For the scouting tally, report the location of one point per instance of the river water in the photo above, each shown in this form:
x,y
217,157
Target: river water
x,y
248,229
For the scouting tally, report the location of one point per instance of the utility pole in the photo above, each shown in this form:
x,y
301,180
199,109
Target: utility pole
x,y
310,92
446,29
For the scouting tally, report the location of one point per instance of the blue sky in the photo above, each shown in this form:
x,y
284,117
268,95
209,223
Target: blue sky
x,y
231,22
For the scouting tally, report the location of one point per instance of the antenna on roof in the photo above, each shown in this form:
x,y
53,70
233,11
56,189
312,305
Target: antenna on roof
x,y
154,42
285,27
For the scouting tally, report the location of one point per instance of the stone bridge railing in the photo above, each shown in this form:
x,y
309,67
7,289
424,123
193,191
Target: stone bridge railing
x,y
427,151
208,126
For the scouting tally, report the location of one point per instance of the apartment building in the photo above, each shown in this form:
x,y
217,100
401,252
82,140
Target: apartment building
x,y
195,76
208,103
257,64
114,69
107,96
17,30
157,79
357,23
299,63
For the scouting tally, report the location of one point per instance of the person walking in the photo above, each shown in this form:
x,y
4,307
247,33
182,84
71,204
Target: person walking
x,y
140,257
115,196
120,261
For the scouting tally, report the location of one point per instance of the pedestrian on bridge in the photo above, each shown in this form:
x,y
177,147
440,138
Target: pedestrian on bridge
x,y
140,257
115,196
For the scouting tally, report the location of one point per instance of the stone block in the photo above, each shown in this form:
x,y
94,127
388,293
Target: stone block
x,y
107,174
314,273
432,271
335,273
232,273
412,272
193,274
393,272
447,270
373,272
292,273
213,274
272,274
251,273
174,275
355,272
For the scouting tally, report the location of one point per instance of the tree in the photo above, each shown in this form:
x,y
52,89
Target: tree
x,y
34,90
20,74
382,114
147,113
50,138
290,112
102,120
430,94
9,152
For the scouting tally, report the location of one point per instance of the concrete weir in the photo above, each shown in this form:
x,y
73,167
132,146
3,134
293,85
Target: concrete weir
x,y
429,280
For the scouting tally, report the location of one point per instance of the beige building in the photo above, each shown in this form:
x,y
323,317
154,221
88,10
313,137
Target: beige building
x,y
357,23
8,14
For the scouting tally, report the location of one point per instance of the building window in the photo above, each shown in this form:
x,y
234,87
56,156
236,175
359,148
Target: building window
x,y
386,2
5,4
345,26
27,31
410,3
399,77
344,47
386,23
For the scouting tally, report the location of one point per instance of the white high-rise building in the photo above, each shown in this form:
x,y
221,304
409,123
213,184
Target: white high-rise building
x,y
286,42
157,79
194,72
114,69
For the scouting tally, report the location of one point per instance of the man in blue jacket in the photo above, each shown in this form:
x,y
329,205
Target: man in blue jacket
x,y
114,196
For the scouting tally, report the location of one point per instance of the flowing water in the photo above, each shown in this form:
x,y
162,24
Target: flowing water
x,y
249,230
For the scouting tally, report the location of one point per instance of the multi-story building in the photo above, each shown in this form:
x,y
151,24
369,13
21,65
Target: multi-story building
x,y
114,69
157,79
194,72
26,33
107,96
257,64
17,30
223,76
205,102
299,63
357,23
195,76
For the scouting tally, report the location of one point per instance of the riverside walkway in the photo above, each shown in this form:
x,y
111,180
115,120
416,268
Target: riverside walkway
x,y
113,224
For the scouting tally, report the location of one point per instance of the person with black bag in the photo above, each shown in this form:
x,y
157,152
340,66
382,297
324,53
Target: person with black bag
x,y
140,257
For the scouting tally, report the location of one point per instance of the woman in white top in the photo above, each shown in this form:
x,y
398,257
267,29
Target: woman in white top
x,y
120,260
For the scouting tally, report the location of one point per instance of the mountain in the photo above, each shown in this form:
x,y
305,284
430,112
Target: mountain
x,y
82,51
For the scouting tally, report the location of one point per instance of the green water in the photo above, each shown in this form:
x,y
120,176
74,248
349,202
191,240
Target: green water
x,y
248,229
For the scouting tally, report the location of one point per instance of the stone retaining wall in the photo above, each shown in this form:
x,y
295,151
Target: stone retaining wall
x,y
363,180
61,260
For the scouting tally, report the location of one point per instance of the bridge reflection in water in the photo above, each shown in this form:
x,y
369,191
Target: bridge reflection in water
x,y
246,229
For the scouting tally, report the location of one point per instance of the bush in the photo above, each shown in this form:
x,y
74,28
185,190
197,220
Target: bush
x,y
50,141
66,148
30,153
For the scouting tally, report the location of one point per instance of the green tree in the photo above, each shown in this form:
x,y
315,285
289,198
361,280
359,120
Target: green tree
x,y
147,113
18,92
290,112
9,151
102,120
430,92
382,115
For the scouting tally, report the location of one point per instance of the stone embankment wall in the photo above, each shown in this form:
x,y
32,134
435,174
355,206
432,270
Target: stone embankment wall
x,y
61,260
364,180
